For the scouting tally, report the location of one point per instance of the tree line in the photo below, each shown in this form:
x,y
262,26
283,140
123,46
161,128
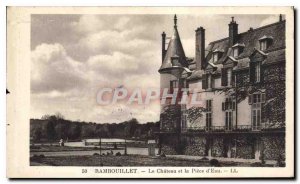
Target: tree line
x,y
55,127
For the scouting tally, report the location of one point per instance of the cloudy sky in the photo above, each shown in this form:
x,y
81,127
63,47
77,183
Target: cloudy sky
x,y
74,56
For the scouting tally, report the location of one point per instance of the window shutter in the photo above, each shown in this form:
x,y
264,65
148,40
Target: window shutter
x,y
207,78
171,86
261,73
232,79
250,99
252,72
204,82
206,119
226,119
263,97
224,77
223,106
233,105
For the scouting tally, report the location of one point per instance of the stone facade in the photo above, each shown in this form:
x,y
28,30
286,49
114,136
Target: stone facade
x,y
244,84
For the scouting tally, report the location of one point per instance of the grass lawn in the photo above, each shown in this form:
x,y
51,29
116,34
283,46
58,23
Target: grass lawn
x,y
129,160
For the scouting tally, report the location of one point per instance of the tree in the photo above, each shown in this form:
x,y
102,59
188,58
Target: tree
x,y
51,134
59,116
37,134
45,117
130,127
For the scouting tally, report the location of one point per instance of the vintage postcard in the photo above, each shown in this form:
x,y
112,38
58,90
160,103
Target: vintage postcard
x,y
150,92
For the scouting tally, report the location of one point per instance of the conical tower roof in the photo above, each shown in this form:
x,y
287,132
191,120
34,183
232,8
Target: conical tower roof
x,y
174,50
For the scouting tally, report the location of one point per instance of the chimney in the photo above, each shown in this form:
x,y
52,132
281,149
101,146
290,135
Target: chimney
x,y
163,46
200,48
280,18
233,32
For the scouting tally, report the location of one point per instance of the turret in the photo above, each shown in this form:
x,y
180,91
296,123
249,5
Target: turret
x,y
173,65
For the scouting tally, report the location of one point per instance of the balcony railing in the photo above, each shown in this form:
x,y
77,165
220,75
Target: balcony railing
x,y
239,128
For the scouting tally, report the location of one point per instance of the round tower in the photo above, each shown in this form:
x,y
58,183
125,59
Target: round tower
x,y
174,64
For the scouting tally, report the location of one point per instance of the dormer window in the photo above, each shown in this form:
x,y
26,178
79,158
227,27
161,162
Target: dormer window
x,y
227,78
235,52
207,81
265,42
215,57
217,54
175,60
263,45
237,49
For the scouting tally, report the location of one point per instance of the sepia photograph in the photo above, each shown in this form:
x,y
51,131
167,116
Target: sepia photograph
x,y
126,92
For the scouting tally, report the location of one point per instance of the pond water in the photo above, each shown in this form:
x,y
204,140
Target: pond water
x,y
108,140
130,150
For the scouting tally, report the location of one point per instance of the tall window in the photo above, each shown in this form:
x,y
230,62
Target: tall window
x,y
208,114
207,81
173,85
183,121
256,118
208,105
229,107
208,120
228,120
255,72
229,76
256,100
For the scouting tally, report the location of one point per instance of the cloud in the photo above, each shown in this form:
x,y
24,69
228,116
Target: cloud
x,y
53,70
109,41
115,65
88,24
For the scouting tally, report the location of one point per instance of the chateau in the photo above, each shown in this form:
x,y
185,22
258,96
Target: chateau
x,y
240,81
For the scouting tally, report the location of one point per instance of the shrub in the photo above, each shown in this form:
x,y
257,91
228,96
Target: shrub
x,y
214,163
257,164
35,147
118,154
42,156
35,158
96,154
280,161
163,155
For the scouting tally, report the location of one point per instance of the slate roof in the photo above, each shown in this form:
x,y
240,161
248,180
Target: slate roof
x,y
250,40
196,74
174,49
